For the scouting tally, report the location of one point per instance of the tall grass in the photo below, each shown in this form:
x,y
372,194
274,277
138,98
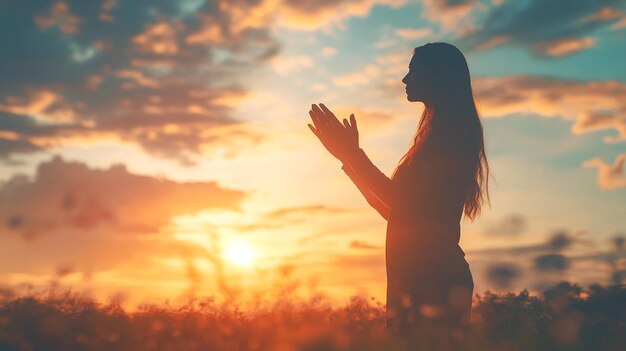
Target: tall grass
x,y
565,317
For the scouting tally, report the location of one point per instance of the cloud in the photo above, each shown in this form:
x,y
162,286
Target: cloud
x,y
361,77
449,13
284,65
358,244
547,28
512,225
610,176
162,75
329,51
316,14
143,72
503,275
303,211
564,47
72,221
552,263
555,242
60,17
413,34
67,195
592,105
9,147
560,240
382,77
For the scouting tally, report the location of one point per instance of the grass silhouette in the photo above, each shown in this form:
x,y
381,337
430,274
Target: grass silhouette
x,y
565,317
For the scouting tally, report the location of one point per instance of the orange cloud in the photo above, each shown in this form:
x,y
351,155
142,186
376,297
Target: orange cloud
x,y
358,244
210,33
564,47
70,219
314,14
603,15
68,195
610,176
44,105
159,38
133,71
413,34
450,14
593,105
60,16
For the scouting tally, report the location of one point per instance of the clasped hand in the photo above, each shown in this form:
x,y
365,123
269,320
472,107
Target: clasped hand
x,y
341,140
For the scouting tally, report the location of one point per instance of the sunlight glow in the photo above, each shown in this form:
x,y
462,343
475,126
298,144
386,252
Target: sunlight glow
x,y
240,253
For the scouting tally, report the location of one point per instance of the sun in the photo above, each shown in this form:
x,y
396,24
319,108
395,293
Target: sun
x,y
240,253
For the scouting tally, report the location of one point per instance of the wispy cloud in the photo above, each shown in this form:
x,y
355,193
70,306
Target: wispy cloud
x,y
610,176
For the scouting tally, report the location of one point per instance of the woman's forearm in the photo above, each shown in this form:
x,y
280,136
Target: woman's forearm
x,y
379,206
371,177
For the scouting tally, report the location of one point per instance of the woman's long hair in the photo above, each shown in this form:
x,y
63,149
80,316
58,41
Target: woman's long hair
x,y
450,116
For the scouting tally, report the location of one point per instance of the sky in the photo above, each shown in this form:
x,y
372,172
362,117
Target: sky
x,y
159,149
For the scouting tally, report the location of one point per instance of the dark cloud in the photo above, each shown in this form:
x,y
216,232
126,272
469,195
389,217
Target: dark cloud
x,y
547,28
9,147
619,241
555,242
560,240
618,277
155,73
503,275
552,263
67,195
510,250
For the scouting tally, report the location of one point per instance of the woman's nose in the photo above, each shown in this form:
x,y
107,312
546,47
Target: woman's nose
x,y
404,80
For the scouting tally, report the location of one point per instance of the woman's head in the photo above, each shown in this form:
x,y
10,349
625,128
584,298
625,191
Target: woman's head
x,y
439,77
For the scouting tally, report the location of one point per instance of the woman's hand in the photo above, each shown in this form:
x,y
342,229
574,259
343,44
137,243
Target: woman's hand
x,y
339,139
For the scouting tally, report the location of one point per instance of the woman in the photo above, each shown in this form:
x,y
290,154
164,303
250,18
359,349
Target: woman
x,y
439,179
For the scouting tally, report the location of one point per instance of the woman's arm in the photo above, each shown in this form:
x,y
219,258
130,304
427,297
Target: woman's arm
x,y
370,177
380,207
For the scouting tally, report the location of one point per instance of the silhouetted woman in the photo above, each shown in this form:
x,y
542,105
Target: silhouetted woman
x,y
439,179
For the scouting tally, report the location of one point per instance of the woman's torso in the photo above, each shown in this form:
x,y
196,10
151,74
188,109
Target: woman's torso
x,y
423,227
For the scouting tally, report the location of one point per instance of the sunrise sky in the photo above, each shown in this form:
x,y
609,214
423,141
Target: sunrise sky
x,y
144,145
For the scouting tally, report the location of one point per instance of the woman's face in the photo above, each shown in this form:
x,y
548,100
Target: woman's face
x,y
414,81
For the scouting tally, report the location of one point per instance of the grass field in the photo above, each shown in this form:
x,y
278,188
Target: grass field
x,y
565,317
